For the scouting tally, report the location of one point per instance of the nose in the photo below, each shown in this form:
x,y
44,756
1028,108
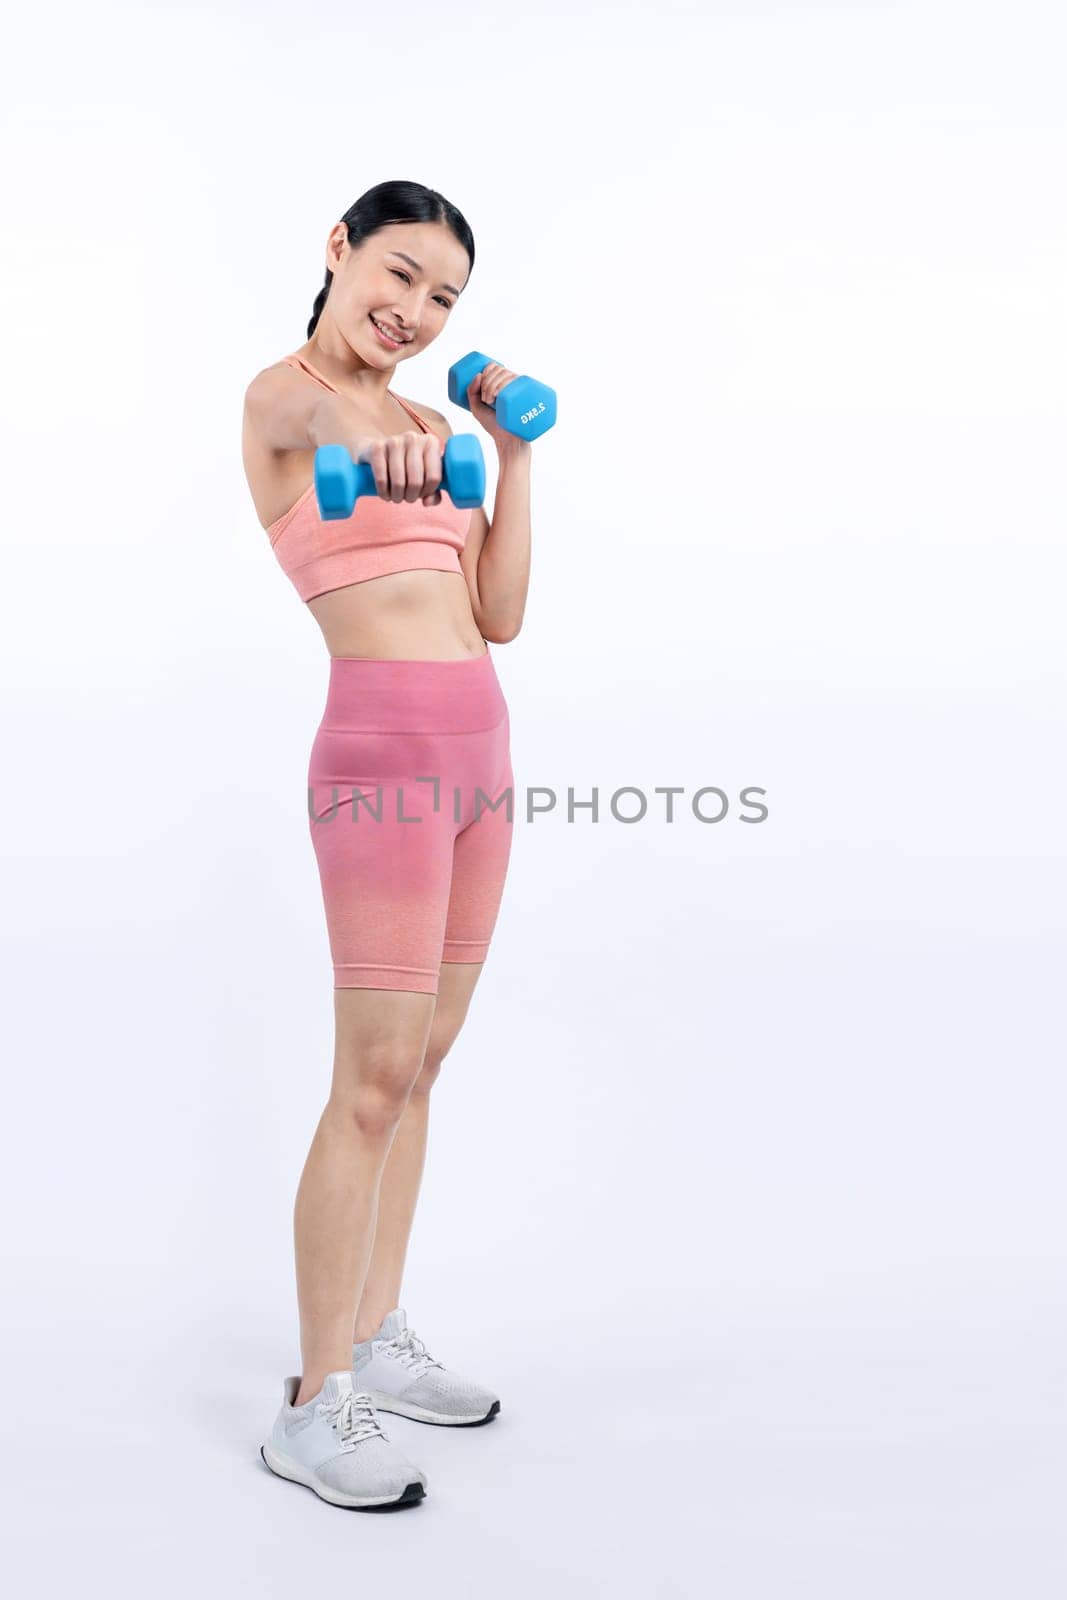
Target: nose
x,y
411,322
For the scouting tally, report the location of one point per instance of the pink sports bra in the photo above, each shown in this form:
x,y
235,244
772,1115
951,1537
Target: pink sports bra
x,y
380,536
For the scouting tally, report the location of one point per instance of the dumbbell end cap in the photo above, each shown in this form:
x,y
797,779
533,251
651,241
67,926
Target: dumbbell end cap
x,y
460,374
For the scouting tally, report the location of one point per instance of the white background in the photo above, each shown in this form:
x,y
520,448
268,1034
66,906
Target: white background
x,y
745,1183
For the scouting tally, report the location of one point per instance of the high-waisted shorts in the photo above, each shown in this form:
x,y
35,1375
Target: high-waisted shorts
x,y
410,808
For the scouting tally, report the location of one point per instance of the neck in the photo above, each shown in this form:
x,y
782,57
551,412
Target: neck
x,y
342,366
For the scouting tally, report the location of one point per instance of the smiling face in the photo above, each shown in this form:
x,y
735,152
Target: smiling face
x,y
392,294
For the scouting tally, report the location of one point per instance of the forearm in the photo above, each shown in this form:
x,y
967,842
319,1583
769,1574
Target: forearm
x,y
334,420
504,559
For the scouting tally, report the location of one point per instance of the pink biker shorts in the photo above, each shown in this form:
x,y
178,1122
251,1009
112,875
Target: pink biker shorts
x,y
410,808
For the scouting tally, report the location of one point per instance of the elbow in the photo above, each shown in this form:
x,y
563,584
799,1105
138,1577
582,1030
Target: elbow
x,y
501,635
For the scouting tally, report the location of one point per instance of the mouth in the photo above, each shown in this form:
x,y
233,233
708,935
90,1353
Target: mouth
x,y
386,338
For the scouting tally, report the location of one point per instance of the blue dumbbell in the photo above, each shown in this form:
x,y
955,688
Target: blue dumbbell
x,y
339,481
524,407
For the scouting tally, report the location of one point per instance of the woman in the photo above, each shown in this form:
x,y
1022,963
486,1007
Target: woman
x,y
410,805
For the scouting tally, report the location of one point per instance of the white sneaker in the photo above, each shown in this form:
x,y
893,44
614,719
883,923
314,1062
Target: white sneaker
x,y
334,1444
400,1374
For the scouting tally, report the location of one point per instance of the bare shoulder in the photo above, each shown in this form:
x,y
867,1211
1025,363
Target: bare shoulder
x,y
276,379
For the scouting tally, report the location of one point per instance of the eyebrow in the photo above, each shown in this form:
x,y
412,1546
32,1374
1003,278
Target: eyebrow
x,y
413,263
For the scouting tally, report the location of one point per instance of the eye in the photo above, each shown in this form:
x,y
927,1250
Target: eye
x,y
441,301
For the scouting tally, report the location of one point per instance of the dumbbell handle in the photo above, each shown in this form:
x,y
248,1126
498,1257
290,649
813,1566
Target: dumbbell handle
x,y
525,406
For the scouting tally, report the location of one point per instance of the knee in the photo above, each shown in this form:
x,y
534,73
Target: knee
x,y
436,1050
381,1085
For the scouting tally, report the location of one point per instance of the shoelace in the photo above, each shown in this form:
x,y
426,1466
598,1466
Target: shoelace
x,y
353,1415
409,1348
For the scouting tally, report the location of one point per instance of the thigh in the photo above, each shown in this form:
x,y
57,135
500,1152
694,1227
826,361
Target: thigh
x,y
385,866
480,857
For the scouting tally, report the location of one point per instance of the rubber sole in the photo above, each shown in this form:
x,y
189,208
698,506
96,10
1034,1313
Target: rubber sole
x,y
405,1408
284,1467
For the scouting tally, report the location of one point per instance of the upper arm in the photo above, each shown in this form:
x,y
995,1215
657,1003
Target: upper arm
x,y
476,532
281,402
472,549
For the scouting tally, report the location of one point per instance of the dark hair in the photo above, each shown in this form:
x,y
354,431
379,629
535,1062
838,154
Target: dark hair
x,y
395,201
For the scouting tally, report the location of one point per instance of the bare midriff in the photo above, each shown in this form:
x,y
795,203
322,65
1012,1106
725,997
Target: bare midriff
x,y
406,616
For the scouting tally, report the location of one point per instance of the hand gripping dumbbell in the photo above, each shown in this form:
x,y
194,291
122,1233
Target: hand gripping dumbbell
x,y
524,406
339,481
